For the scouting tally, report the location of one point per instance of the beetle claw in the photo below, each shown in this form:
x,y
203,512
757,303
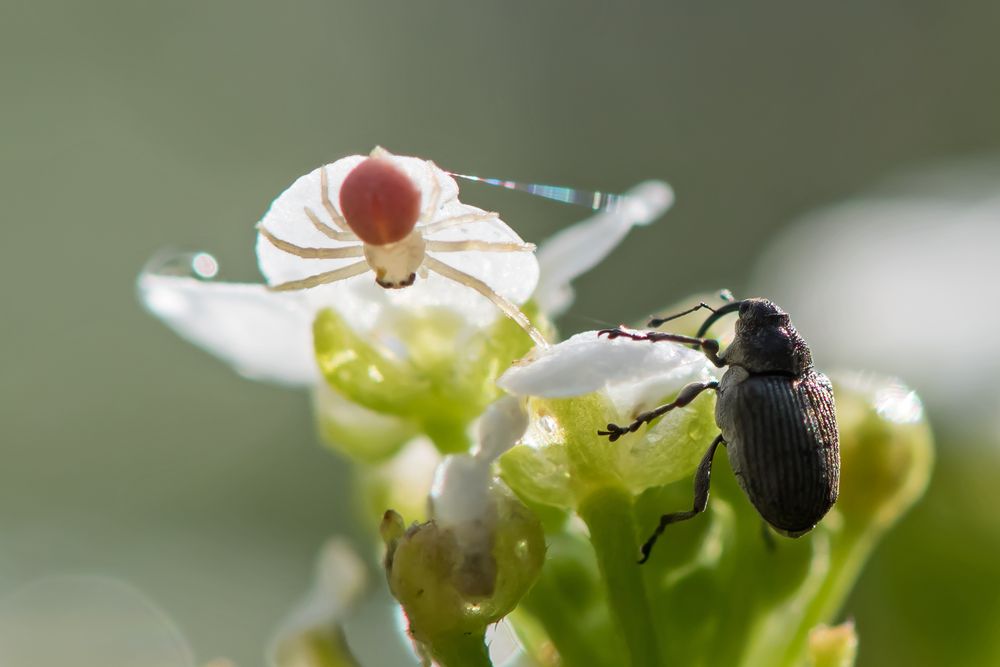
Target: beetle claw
x,y
614,432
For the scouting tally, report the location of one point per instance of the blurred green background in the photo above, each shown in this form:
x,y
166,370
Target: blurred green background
x,y
132,125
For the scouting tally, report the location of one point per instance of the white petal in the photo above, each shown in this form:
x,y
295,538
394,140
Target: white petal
x,y
461,490
512,274
340,580
263,335
629,370
576,250
501,426
460,494
87,621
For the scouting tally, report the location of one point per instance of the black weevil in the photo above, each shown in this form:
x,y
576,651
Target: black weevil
x,y
775,412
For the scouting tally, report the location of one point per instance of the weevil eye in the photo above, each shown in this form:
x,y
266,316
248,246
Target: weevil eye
x,y
379,202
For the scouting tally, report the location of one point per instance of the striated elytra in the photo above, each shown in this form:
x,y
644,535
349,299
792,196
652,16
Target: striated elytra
x,y
776,414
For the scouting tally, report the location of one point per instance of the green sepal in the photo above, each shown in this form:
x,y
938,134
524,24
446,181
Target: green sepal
x,y
428,368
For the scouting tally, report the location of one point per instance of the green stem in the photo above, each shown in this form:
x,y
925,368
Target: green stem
x,y
608,514
460,650
850,551
578,645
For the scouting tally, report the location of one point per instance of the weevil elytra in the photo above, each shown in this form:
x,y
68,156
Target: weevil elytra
x,y
776,414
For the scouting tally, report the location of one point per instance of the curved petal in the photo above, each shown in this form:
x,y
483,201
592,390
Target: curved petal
x,y
632,372
313,626
263,335
576,250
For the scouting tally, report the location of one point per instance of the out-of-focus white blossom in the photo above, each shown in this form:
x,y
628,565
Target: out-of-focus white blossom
x,y
902,279
266,335
313,628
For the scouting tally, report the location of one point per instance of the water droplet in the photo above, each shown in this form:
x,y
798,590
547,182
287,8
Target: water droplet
x,y
548,424
199,265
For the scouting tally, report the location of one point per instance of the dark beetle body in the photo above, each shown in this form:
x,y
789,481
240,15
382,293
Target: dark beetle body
x,y
777,418
781,436
776,414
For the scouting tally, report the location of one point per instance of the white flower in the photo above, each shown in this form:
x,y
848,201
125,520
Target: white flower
x,y
265,334
314,627
634,375
613,380
901,280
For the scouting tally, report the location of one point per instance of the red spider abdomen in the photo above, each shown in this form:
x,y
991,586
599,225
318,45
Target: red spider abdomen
x,y
379,202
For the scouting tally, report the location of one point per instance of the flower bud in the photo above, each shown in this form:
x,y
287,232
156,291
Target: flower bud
x,y
455,580
834,646
886,448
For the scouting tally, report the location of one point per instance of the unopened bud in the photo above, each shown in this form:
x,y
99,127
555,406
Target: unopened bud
x,y
455,580
886,448
835,646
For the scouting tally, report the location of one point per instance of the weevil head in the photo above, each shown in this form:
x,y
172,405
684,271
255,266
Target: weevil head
x,y
379,202
766,341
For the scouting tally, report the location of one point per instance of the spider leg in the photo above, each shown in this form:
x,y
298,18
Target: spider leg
x,y
327,230
484,246
313,253
434,202
324,186
342,273
457,220
501,302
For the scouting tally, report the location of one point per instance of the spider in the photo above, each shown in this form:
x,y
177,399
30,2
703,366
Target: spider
x,y
380,209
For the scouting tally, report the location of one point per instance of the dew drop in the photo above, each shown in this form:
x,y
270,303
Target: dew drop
x,y
548,424
200,265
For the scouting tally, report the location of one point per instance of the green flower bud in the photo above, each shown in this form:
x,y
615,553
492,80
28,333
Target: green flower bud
x,y
455,580
886,449
835,646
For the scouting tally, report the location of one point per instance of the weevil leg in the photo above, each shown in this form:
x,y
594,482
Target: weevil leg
x,y
687,394
702,478
709,346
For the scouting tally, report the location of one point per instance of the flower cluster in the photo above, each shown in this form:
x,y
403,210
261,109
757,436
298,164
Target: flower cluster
x,y
423,328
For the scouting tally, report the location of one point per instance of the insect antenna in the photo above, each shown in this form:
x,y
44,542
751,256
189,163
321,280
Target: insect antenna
x,y
718,313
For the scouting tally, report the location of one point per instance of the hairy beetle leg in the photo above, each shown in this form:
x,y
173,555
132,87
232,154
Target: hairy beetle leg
x,y
702,479
687,394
